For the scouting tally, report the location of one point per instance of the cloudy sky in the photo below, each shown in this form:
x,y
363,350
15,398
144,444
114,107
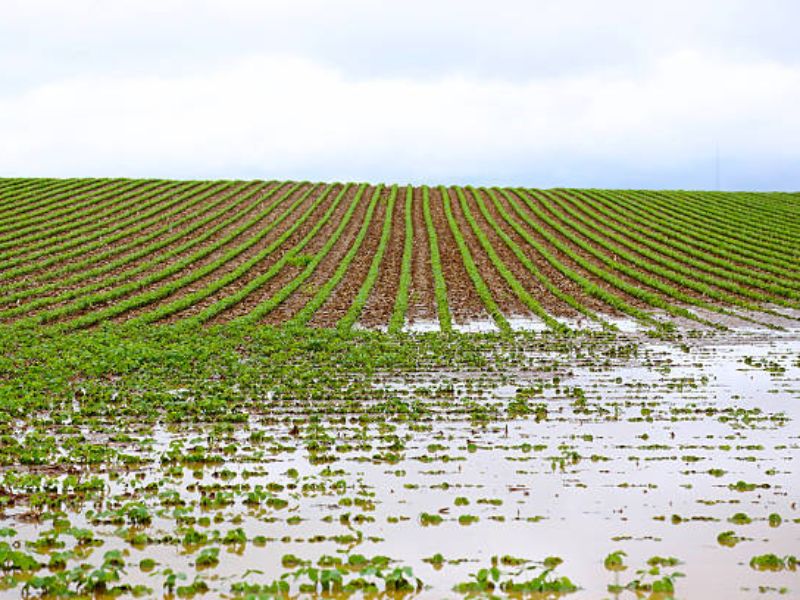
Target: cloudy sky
x,y
621,93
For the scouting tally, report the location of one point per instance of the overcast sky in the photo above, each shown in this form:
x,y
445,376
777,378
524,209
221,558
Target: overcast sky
x,y
639,93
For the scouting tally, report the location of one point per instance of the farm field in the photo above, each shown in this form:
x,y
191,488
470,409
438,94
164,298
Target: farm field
x,y
78,253
289,389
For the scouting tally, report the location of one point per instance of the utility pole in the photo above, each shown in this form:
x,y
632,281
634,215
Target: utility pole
x,y
716,167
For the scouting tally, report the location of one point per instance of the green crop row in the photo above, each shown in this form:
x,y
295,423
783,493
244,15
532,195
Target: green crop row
x,y
86,245
439,284
764,219
675,272
730,239
32,195
323,293
259,281
262,309
590,288
348,320
472,270
128,275
13,186
51,223
517,287
70,236
150,297
34,198
190,299
398,317
771,239
725,247
532,268
77,252
90,304
98,264
637,272
668,246
609,277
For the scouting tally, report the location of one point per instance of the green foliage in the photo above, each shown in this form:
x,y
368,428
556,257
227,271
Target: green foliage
x,y
401,303
439,284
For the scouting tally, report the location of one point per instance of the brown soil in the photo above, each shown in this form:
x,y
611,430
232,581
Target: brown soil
x,y
421,297
380,304
462,298
295,303
502,294
342,296
247,254
267,262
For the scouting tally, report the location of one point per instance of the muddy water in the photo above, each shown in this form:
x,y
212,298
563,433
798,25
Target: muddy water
x,y
565,456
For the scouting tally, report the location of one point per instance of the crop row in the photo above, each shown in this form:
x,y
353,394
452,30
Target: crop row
x,y
218,283
753,252
643,265
126,268
17,205
191,275
52,223
679,249
76,253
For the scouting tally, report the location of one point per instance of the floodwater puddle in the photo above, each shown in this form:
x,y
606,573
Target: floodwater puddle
x,y
590,472
422,326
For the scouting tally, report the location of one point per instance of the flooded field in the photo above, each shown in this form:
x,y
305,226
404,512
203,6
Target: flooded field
x,y
592,467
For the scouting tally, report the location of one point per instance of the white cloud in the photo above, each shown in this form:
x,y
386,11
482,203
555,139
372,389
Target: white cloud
x,y
285,116
567,93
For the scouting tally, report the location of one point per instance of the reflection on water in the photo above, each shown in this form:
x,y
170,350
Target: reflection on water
x,y
570,455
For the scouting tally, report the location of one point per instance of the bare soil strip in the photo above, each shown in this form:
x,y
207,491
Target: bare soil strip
x,y
86,261
250,252
295,303
340,300
421,298
266,263
379,306
465,304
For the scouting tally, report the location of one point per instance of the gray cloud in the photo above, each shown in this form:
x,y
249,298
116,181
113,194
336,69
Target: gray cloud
x,y
623,94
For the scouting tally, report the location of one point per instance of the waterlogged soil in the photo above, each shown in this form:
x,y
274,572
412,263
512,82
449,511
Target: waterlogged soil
x,y
421,296
682,455
562,257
